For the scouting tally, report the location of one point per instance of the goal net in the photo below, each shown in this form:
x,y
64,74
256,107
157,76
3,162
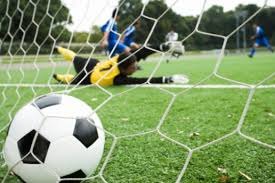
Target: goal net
x,y
154,132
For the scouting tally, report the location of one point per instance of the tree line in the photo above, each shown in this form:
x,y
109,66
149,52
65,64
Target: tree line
x,y
214,20
36,25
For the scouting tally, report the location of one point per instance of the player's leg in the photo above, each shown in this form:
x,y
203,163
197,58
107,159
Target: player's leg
x,y
122,48
253,49
83,68
81,78
81,64
63,78
66,53
118,48
144,52
177,49
68,56
267,45
133,45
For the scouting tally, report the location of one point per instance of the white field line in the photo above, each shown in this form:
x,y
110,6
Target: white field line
x,y
207,86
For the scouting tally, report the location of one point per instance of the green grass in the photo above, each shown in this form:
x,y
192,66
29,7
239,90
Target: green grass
x,y
211,113
196,117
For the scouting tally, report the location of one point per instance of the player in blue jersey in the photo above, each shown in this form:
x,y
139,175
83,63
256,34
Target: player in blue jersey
x,y
111,37
128,36
260,40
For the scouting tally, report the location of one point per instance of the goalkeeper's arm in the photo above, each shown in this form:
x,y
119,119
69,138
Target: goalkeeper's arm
x,y
144,52
124,80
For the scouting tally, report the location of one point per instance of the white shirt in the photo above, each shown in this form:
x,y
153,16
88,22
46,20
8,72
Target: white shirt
x,y
172,36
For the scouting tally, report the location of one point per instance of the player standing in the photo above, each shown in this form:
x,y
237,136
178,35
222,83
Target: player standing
x,y
111,37
176,47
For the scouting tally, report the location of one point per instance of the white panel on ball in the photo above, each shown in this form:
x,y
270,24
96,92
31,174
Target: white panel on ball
x,y
95,150
25,120
38,173
55,128
11,152
67,156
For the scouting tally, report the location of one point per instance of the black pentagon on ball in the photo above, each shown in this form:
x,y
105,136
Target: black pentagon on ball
x,y
48,100
78,174
40,149
85,132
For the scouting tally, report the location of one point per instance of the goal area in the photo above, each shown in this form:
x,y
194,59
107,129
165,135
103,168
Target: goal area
x,y
218,127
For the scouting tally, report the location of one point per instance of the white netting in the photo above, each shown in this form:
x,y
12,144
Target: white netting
x,y
21,65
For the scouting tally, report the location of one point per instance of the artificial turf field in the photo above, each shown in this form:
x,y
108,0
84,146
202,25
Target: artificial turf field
x,y
196,117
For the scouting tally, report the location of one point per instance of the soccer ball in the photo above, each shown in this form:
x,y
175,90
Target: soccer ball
x,y
54,138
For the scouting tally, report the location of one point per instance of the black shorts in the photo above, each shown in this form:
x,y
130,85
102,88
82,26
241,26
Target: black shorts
x,y
83,68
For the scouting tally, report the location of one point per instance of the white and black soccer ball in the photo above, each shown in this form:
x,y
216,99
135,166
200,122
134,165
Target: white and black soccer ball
x,y
55,138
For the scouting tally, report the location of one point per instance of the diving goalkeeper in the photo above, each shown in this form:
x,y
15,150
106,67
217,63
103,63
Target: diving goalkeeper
x,y
115,71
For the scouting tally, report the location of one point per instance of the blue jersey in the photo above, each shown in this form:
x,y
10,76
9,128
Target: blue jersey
x,y
261,39
111,27
114,46
129,35
259,33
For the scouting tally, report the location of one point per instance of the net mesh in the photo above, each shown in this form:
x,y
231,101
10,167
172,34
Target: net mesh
x,y
17,63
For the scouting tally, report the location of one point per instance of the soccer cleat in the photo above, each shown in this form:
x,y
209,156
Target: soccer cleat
x,y
63,78
250,56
